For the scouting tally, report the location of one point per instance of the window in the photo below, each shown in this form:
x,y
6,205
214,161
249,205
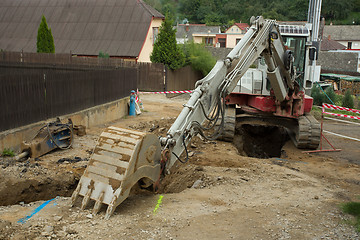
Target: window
x,y
155,33
208,41
297,45
238,40
222,42
349,45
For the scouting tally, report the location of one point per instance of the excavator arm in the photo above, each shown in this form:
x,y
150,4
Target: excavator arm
x,y
125,157
262,39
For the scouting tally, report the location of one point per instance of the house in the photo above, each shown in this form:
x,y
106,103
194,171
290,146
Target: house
x,y
330,45
123,29
232,35
347,35
199,33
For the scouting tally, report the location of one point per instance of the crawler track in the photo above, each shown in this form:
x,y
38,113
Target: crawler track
x,y
304,131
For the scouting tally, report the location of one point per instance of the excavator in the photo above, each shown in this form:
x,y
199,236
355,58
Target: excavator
x,y
123,157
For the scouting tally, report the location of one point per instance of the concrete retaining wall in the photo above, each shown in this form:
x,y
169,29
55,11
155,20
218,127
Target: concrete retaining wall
x,y
89,117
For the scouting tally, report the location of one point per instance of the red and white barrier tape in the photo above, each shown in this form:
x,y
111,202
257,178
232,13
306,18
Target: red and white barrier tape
x,y
184,91
329,106
342,115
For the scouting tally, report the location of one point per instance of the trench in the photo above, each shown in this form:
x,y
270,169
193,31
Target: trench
x,y
30,181
260,141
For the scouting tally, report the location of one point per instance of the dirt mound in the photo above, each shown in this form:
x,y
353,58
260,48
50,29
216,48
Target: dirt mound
x,y
182,178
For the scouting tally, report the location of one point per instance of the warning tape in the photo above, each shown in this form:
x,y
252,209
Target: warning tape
x,y
184,91
329,106
342,115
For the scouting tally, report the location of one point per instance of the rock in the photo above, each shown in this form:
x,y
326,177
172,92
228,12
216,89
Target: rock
x,y
199,168
89,216
57,218
196,183
48,229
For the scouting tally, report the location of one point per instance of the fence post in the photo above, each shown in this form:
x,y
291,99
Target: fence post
x,y
165,77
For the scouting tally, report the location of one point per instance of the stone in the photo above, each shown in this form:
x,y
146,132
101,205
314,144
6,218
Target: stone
x,y
196,183
48,229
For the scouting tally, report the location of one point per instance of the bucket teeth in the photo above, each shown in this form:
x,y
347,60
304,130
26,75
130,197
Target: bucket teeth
x,y
110,210
86,199
121,158
98,204
75,194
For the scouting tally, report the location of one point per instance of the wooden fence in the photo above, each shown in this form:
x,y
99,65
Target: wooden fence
x,y
151,76
32,94
182,79
35,87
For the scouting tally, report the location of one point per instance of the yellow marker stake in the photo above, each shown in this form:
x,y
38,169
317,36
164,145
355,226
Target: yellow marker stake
x,y
158,203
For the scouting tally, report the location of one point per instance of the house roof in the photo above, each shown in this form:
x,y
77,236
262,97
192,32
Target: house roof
x,y
187,30
328,44
338,77
86,27
242,26
342,32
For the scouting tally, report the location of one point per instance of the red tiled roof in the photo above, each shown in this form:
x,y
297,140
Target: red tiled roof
x,y
328,44
242,26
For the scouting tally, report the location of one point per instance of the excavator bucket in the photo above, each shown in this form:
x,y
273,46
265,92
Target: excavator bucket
x,y
121,158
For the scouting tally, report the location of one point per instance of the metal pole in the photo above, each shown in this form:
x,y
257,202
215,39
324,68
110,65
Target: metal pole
x,y
321,132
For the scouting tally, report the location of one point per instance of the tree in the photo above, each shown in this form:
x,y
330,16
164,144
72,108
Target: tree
x,y
45,40
198,57
348,101
166,50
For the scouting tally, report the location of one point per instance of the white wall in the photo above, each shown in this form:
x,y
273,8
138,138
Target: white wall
x,y
147,48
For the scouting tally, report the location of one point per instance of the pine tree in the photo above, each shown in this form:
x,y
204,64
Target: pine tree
x,y
166,50
348,101
45,40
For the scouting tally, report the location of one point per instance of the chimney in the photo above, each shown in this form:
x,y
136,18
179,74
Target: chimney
x,y
329,37
187,27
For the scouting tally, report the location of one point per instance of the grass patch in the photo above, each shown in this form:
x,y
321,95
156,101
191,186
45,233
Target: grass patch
x,y
316,111
7,153
352,208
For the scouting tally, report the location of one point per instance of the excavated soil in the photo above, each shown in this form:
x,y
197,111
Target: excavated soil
x,y
218,194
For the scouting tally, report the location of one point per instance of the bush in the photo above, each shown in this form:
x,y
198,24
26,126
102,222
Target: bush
x,y
331,94
318,97
198,57
348,100
103,55
339,99
8,153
